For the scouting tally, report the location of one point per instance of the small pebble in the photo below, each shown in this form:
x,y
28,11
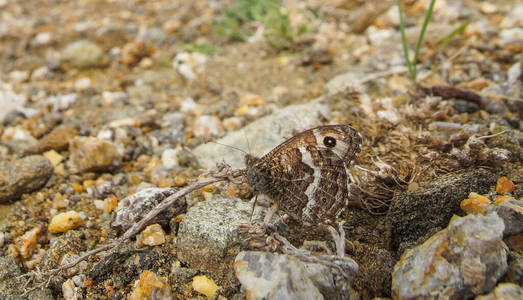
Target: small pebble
x,y
110,203
150,284
188,105
152,235
65,221
18,76
99,204
504,185
83,54
82,84
135,51
93,154
390,116
58,139
42,38
189,65
40,73
207,126
113,98
487,8
475,204
69,290
28,242
170,158
204,285
232,123
54,157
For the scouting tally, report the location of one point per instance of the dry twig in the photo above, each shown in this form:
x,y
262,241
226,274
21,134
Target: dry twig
x,y
223,173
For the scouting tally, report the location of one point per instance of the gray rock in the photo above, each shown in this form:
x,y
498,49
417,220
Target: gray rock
x,y
262,135
504,291
23,176
339,83
21,146
413,215
511,211
266,275
11,283
463,260
153,35
83,54
134,207
515,268
9,100
61,250
208,237
60,102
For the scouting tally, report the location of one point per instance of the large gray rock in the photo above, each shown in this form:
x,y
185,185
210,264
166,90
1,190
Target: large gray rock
x,y
11,283
504,291
262,135
413,215
464,260
23,176
266,275
208,236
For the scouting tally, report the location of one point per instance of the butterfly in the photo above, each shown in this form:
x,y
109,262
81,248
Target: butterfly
x,y
307,176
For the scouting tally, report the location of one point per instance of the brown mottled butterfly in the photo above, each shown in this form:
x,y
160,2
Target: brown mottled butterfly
x,y
307,176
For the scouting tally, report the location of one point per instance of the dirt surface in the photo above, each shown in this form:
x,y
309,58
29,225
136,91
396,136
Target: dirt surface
x,y
151,77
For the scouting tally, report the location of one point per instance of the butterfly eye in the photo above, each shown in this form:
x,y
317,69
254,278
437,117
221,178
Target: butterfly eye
x,y
329,141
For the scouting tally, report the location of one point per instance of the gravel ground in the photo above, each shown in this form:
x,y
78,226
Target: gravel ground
x,y
100,100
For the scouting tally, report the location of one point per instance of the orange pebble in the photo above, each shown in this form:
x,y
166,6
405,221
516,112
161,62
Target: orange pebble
x,y
474,204
232,191
504,186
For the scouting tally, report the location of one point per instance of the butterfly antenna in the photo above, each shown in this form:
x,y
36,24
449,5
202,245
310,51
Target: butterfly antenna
x,y
247,140
253,206
236,148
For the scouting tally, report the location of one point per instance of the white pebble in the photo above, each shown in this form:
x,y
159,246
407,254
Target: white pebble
x,y
188,105
390,116
112,98
40,73
42,38
170,158
82,84
18,76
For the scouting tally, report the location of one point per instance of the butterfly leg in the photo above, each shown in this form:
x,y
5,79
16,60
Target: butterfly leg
x,y
339,238
270,213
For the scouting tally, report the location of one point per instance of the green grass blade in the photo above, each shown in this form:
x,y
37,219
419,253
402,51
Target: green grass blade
x,y
422,33
454,32
404,42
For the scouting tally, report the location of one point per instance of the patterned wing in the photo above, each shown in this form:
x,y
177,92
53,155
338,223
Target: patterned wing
x,y
307,175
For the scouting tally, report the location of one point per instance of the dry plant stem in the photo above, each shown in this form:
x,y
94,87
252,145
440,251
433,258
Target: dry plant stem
x,y
448,92
346,266
137,227
492,135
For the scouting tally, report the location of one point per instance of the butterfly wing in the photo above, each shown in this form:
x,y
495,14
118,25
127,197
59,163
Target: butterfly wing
x,y
307,175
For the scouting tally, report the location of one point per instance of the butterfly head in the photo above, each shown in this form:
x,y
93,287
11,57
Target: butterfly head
x,y
343,140
252,176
